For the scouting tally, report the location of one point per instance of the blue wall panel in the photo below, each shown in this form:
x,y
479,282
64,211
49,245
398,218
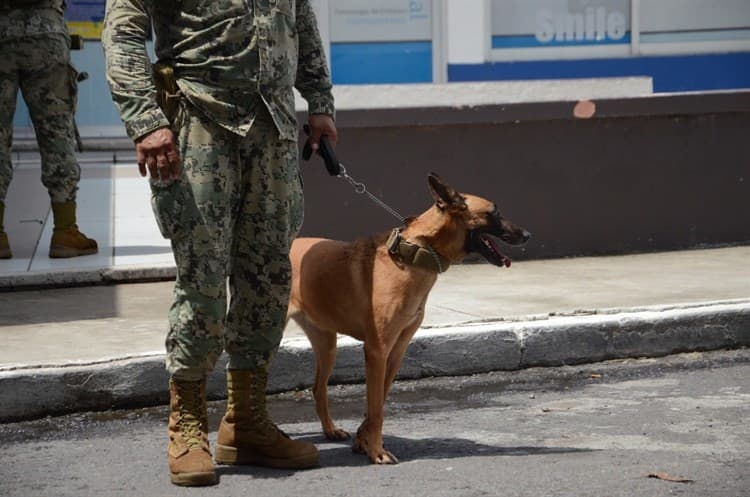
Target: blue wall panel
x,y
401,62
669,73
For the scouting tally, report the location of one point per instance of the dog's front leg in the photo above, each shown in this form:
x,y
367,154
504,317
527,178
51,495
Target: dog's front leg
x,y
398,351
369,438
324,346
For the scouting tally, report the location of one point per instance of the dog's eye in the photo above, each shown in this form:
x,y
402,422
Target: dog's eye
x,y
495,217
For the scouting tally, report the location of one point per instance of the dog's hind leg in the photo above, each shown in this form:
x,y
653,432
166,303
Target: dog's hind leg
x,y
324,347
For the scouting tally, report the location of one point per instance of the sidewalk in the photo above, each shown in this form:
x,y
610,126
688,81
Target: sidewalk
x,y
113,208
93,347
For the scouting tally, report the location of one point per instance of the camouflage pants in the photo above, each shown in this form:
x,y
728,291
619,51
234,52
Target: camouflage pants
x,y
232,214
40,67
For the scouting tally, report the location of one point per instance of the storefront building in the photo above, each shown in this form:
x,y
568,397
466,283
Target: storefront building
x,y
685,45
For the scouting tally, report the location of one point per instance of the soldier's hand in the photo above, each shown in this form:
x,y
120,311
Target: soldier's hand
x,y
157,155
322,124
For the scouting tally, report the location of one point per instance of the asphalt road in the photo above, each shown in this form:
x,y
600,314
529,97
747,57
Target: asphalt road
x,y
596,430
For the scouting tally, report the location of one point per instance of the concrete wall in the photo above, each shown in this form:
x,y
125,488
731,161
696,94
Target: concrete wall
x,y
645,173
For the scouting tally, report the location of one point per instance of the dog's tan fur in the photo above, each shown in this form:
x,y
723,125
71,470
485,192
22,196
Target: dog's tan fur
x,y
361,290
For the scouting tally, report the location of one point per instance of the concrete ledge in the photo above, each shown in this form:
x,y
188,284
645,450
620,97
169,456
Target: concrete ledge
x,y
407,96
35,391
518,111
77,277
363,106
649,333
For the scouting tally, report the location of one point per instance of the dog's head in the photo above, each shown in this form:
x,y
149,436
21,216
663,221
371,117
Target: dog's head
x,y
478,221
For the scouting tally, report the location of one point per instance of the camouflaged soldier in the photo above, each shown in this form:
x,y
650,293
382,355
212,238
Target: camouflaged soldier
x,y
35,48
221,153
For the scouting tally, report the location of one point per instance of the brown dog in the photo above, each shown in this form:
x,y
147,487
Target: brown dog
x,y
375,290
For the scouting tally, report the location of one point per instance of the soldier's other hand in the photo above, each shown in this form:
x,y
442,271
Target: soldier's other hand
x,y
322,124
157,155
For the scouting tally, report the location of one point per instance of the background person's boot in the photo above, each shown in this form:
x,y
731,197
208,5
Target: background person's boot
x,y
5,252
247,435
67,241
189,456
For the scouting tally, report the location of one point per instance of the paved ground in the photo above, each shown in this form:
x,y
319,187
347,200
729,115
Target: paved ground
x,y
113,208
586,431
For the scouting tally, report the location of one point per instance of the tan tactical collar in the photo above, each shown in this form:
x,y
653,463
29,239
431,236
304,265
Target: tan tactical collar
x,y
415,255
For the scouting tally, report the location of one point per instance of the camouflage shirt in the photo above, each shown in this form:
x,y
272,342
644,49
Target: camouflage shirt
x,y
229,57
20,19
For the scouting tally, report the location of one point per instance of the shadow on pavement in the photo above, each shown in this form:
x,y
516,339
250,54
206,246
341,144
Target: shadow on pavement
x,y
339,454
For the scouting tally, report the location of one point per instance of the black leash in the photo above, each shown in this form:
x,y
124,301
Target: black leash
x,y
336,168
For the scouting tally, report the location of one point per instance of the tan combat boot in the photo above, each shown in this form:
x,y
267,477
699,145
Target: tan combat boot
x,y
5,252
67,241
190,461
247,436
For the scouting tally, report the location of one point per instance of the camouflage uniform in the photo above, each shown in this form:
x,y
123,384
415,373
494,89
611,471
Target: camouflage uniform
x,y
35,48
238,202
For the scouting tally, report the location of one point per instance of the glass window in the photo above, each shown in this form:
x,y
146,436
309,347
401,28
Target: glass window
x,y
388,41
694,26
385,20
552,29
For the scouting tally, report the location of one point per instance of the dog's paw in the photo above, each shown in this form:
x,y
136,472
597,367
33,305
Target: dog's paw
x,y
337,435
376,456
383,457
359,446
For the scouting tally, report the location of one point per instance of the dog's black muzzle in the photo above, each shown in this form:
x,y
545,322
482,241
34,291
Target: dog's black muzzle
x,y
483,240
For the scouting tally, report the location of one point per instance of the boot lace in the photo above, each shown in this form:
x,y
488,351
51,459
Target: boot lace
x,y
256,404
190,402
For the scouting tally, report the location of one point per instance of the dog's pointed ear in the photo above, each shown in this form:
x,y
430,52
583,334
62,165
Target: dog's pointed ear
x,y
445,195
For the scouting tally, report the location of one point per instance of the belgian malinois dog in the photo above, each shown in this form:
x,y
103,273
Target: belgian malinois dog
x,y
375,289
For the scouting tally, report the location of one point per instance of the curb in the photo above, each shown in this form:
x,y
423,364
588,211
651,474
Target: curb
x,y
36,391
79,277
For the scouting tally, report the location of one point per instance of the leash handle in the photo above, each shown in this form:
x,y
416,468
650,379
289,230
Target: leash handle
x,y
325,150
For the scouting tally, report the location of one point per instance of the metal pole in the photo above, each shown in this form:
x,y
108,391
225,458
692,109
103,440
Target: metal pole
x,y
439,42
635,28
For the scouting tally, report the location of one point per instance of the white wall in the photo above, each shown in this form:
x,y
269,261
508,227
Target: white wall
x,y
469,33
